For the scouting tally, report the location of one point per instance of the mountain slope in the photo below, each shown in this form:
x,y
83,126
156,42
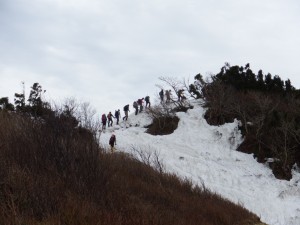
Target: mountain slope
x,y
206,155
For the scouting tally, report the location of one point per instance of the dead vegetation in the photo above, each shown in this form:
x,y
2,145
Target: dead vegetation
x,y
52,172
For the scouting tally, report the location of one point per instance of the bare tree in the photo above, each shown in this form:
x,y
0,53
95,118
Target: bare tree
x,y
83,113
87,116
70,106
150,158
264,106
180,104
173,83
161,114
283,146
221,101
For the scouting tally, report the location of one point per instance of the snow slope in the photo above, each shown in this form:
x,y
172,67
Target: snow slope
x,y
206,154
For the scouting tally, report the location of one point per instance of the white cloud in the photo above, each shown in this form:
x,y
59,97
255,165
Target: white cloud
x,y
116,50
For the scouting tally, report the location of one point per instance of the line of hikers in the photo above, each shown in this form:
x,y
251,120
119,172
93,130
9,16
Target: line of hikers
x,y
168,95
137,105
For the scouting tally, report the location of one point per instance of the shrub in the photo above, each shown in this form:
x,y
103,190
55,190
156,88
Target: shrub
x,y
54,173
268,111
164,120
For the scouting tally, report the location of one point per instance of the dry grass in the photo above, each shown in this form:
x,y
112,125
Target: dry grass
x,y
54,174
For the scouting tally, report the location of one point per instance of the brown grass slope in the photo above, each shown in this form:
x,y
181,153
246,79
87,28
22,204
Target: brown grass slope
x,y
53,173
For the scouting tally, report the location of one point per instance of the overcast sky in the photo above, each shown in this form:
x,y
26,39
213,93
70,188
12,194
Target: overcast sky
x,y
112,52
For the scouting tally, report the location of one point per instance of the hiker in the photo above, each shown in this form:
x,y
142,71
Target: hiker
x,y
112,143
126,109
168,96
135,106
140,103
117,115
180,94
161,95
104,119
110,121
147,99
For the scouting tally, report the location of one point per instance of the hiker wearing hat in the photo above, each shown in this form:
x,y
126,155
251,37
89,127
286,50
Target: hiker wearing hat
x,y
112,143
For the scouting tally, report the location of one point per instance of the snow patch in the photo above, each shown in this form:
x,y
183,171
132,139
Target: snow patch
x,y
207,154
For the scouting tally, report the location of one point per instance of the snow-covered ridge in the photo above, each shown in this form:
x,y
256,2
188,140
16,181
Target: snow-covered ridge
x,y
206,154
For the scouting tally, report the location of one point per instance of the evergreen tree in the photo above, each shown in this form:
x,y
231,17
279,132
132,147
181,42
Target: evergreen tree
x,y
288,86
278,84
269,82
6,105
19,102
195,88
36,105
35,95
250,78
199,78
260,81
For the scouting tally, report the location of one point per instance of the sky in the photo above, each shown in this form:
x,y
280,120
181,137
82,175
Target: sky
x,y
110,53
207,155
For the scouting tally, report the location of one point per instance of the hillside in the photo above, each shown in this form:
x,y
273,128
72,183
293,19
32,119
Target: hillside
x,y
207,155
52,171
52,166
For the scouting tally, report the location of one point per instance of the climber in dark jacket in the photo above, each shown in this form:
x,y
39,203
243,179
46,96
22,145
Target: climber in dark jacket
x,y
112,143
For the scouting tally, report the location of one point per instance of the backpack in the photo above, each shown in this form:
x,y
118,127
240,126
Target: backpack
x,y
126,108
112,140
147,98
139,101
180,92
135,104
103,117
116,114
161,93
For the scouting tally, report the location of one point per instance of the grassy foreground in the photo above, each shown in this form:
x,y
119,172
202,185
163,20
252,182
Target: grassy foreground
x,y
54,173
